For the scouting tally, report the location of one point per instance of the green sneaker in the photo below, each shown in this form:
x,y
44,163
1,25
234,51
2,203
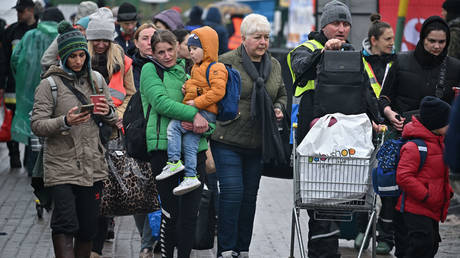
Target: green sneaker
x,y
170,169
359,241
383,248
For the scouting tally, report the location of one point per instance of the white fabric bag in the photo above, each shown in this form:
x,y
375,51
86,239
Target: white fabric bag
x,y
350,136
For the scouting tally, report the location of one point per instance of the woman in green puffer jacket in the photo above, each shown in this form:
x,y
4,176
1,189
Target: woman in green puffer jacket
x,y
160,87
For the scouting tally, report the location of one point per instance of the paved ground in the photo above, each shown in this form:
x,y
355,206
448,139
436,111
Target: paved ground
x,y
27,236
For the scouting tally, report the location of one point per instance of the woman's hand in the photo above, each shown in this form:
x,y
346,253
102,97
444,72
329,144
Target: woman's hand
x,y
200,124
278,114
183,89
187,125
102,107
392,116
75,119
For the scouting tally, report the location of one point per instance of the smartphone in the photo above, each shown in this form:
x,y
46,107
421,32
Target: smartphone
x,y
87,108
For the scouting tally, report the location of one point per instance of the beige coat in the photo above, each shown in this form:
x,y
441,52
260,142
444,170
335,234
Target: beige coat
x,y
72,155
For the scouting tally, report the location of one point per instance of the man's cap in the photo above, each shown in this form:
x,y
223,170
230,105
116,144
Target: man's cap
x,y
21,4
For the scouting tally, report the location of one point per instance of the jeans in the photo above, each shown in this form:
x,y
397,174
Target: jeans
x,y
143,226
239,177
179,138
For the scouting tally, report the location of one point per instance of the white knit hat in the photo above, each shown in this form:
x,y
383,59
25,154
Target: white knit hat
x,y
101,25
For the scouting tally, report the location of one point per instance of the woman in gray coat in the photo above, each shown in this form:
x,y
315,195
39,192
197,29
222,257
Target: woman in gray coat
x,y
240,146
73,155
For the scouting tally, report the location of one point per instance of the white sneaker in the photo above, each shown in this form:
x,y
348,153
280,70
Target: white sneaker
x,y
187,185
243,255
170,169
227,254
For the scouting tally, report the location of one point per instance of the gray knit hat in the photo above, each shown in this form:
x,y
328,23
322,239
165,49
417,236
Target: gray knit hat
x,y
85,8
101,25
334,11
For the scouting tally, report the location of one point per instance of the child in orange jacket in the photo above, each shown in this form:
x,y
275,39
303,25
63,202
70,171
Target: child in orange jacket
x,y
203,46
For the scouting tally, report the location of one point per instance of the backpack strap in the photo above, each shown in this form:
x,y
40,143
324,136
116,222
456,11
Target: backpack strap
x,y
207,72
53,87
423,151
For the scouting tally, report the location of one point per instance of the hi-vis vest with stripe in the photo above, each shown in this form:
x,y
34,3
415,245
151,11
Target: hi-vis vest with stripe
x,y
312,45
116,86
235,40
376,86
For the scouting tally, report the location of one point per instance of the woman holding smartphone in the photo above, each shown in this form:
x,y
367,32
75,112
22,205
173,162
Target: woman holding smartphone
x,y
73,156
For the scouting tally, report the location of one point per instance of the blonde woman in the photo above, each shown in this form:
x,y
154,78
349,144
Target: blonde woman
x,y
108,58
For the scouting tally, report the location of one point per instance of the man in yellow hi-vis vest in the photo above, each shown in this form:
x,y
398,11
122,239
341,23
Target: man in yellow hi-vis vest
x,y
335,24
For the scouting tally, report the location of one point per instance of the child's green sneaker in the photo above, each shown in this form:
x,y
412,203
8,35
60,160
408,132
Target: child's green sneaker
x,y
170,169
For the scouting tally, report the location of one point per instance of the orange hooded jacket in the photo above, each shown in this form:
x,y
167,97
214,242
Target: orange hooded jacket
x,y
197,88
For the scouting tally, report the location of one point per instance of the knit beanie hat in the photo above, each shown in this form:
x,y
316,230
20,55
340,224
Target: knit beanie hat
x,y
85,8
193,40
101,25
334,11
52,14
69,41
83,22
126,12
434,113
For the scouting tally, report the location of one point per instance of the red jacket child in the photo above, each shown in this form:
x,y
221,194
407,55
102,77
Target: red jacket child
x,y
427,192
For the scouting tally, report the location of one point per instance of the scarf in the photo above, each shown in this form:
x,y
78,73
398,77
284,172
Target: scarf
x,y
262,109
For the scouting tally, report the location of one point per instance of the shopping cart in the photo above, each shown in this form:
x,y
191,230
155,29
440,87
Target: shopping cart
x,y
333,188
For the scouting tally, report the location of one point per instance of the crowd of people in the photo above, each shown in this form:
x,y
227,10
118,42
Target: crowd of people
x,y
51,68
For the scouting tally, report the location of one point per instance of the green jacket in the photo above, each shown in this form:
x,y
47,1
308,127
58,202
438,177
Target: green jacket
x,y
165,97
25,65
243,131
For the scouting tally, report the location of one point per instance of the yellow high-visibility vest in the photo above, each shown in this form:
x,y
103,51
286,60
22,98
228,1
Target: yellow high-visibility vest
x,y
376,86
312,45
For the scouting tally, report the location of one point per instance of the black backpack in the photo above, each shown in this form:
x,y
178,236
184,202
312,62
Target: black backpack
x,y
135,124
341,85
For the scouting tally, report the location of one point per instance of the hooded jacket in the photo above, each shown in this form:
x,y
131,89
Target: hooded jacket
x,y
171,18
416,74
197,88
25,67
427,192
72,155
214,20
165,97
377,62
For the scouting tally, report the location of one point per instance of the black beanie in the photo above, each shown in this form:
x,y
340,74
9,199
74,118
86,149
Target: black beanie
x,y
126,12
52,14
434,113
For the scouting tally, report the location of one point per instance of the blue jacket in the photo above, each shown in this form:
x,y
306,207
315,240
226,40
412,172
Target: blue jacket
x,y
214,20
128,46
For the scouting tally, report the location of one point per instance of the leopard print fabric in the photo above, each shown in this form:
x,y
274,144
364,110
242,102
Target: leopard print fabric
x,y
130,187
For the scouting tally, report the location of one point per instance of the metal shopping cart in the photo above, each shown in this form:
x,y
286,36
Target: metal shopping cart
x,y
334,188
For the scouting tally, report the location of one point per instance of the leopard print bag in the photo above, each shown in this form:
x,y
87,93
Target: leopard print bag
x,y
130,187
